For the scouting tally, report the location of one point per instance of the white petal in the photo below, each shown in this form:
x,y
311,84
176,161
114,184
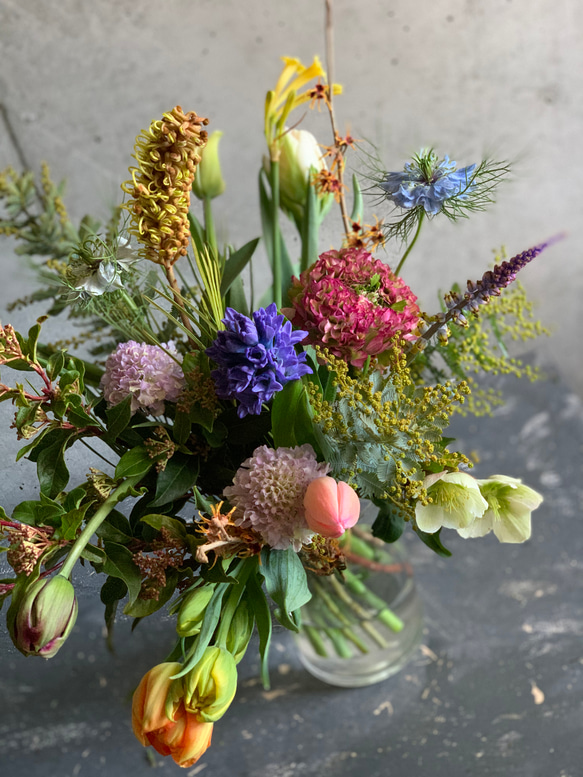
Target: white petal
x,y
513,528
430,518
479,527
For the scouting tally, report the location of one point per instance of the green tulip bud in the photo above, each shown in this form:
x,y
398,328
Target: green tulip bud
x,y
208,182
209,688
240,630
300,155
41,618
192,610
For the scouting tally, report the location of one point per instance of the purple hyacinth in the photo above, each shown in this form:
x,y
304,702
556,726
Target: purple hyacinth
x,y
479,292
256,358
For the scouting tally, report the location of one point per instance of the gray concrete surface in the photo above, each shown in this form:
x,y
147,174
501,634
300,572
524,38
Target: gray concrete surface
x,y
79,80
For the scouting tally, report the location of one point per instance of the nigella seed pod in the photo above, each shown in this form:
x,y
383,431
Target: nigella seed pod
x,y
41,618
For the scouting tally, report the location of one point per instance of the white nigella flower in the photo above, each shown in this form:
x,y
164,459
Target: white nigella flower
x,y
456,502
510,504
100,272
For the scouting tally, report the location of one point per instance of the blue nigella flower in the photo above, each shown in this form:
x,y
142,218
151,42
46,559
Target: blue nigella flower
x,y
428,183
256,358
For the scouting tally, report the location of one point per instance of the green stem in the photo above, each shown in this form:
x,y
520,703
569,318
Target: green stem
x,y
209,224
276,254
94,523
385,615
411,244
313,634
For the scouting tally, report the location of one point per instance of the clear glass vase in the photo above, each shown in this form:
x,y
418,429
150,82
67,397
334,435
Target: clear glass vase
x,y
365,629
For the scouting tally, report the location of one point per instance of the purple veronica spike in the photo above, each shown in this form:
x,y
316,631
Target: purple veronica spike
x,y
479,292
256,358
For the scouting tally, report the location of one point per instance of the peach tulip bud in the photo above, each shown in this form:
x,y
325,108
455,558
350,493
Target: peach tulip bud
x,y
331,507
160,719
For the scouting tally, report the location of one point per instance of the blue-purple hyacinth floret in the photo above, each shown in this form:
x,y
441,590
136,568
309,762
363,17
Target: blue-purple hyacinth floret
x,y
428,184
256,358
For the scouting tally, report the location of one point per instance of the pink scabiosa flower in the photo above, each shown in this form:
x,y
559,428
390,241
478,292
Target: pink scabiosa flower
x,y
146,373
268,490
353,305
331,507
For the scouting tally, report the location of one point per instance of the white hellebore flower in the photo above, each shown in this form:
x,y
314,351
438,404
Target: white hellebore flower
x,y
456,502
510,504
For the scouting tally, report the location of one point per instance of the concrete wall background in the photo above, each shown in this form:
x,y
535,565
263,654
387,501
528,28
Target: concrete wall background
x,y
79,79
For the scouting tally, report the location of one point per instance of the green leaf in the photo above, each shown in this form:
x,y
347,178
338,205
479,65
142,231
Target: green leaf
x,y
236,263
118,417
283,414
358,203
286,583
433,541
134,463
115,528
173,525
176,479
119,564
49,455
389,524
93,555
236,298
33,335
141,608
55,364
260,607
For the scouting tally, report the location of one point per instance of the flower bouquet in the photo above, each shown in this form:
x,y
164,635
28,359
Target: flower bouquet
x,y
241,436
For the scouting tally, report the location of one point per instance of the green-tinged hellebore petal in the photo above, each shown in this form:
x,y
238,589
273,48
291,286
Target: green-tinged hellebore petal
x,y
45,616
192,609
240,631
300,155
456,502
510,504
209,182
209,688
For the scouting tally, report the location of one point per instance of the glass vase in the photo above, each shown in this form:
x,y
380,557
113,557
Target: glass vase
x,y
364,629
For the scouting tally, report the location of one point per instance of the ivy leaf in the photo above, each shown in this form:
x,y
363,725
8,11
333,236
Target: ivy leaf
x,y
286,584
144,607
49,455
173,525
115,528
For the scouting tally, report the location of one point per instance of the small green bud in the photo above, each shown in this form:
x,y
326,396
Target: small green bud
x,y
192,610
209,688
208,182
41,618
240,631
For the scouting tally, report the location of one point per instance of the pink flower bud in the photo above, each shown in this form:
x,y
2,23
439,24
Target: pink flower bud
x,y
331,507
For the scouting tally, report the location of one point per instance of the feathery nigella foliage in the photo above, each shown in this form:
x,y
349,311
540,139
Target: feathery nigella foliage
x,y
429,186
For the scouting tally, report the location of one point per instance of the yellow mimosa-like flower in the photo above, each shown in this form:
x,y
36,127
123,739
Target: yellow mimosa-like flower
x,y
167,155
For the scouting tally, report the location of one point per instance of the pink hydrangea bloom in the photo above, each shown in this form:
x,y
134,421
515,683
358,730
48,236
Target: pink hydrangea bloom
x,y
353,305
269,489
146,372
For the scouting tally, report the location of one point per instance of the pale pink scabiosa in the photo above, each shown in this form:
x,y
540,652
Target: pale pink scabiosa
x,y
268,491
146,373
353,305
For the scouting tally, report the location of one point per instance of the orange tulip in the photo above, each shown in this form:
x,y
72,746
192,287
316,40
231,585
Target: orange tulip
x,y
331,507
160,719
